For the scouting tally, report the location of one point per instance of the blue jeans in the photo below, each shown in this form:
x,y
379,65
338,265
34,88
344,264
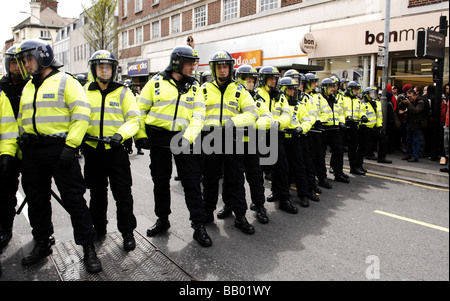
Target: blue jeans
x,y
412,142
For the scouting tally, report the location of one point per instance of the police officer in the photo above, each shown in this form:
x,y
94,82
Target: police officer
x,y
173,113
305,139
268,91
372,135
333,127
130,84
291,152
317,136
229,107
354,116
247,75
53,119
11,86
82,79
115,119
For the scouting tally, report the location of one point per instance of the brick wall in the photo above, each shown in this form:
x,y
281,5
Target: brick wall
x,y
186,18
285,3
414,3
165,30
248,7
130,52
214,12
146,32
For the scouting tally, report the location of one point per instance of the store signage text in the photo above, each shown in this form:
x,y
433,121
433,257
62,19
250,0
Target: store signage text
x,y
308,43
138,68
395,35
253,58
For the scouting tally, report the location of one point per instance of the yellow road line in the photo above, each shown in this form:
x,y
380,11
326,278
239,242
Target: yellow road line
x,y
406,182
412,220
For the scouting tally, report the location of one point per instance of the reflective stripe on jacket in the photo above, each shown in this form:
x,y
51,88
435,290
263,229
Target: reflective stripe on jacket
x,y
118,113
300,118
58,108
352,107
278,107
323,109
9,130
162,105
375,118
234,103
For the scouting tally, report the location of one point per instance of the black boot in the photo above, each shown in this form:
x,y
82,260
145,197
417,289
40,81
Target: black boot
x,y
41,249
93,264
287,206
272,198
313,196
200,234
225,212
159,227
341,178
324,183
5,237
242,223
261,214
357,171
304,201
129,244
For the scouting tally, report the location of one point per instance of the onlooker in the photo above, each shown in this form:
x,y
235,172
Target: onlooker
x,y
445,125
416,122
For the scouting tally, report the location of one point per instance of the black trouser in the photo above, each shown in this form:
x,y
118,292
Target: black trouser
x,y
333,138
290,158
113,164
318,154
255,179
8,200
39,164
351,135
309,162
370,139
189,172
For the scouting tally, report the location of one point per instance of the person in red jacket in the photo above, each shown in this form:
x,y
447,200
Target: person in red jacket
x,y
446,129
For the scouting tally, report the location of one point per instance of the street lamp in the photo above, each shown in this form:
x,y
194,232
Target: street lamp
x,y
48,30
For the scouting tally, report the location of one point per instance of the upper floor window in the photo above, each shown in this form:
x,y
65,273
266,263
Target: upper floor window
x,y
124,8
45,34
156,32
125,39
137,5
176,23
200,16
139,36
230,9
268,4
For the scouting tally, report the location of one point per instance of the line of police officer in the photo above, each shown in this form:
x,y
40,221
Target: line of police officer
x,y
172,115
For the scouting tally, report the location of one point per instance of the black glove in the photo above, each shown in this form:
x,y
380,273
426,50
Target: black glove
x,y
67,156
342,126
349,119
115,141
317,124
142,143
298,130
381,131
6,163
364,119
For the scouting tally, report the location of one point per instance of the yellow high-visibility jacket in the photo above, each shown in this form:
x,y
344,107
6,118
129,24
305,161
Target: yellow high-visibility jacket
x,y
234,103
308,102
336,116
161,105
375,117
115,112
278,107
300,118
324,112
352,107
9,131
58,108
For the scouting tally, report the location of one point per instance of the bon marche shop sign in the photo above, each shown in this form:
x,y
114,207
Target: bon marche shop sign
x,y
139,68
365,38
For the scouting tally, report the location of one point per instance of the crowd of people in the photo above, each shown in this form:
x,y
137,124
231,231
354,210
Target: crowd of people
x,y
47,116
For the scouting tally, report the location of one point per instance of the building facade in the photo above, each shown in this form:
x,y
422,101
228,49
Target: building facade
x,y
325,36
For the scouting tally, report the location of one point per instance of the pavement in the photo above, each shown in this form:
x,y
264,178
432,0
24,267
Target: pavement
x,y
424,172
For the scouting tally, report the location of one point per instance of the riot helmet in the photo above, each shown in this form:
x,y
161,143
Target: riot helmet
x,y
311,78
206,77
222,58
180,55
289,87
82,79
292,73
325,86
103,57
351,87
42,54
265,73
370,93
244,72
344,83
11,67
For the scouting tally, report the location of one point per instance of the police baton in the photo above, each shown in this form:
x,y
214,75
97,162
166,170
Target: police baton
x,y
55,196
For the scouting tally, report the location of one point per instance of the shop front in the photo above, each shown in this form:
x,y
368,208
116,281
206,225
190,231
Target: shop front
x,y
351,51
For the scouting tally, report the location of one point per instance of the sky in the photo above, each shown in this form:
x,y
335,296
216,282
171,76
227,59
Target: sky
x,y
10,14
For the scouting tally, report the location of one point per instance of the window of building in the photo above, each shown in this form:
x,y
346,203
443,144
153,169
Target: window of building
x,y
155,2
138,35
200,16
268,4
45,34
125,39
124,8
230,9
137,6
156,32
176,23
